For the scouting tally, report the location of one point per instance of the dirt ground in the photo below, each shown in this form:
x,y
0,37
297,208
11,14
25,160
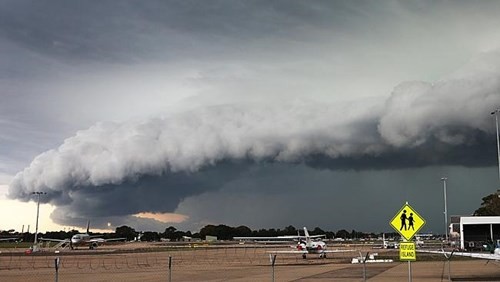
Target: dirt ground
x,y
148,262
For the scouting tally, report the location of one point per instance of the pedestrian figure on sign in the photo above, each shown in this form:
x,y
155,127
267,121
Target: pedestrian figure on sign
x,y
403,220
411,221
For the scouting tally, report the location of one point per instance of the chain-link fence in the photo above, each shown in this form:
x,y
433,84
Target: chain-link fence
x,y
177,264
217,264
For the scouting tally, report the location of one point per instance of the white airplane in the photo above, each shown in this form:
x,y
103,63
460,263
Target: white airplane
x,y
83,239
14,239
305,245
387,244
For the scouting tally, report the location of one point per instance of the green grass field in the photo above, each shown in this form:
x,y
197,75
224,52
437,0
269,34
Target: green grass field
x,y
12,245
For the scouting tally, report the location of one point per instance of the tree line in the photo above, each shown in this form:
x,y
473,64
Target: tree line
x,y
222,232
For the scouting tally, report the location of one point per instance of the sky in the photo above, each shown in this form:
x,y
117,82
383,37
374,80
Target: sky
x,y
265,114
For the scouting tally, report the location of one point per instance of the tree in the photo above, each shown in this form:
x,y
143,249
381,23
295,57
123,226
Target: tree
x,y
317,231
342,234
170,233
223,232
208,230
490,206
126,232
330,234
289,230
150,236
242,231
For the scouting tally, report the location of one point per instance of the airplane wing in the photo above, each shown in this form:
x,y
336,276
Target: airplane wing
x,y
288,252
464,254
306,252
316,236
54,240
9,239
102,240
291,237
339,251
115,239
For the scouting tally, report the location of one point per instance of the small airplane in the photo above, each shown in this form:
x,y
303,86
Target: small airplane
x,y
14,238
306,244
387,244
81,239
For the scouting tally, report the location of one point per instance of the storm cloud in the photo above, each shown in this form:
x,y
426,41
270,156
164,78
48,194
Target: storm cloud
x,y
120,169
199,108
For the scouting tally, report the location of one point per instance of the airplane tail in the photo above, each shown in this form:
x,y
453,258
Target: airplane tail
x,y
306,234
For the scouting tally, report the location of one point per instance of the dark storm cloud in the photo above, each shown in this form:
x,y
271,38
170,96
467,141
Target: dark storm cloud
x,y
126,168
116,203
131,30
363,200
270,53
478,152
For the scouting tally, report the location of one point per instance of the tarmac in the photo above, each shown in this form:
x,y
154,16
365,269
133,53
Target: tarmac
x,y
150,262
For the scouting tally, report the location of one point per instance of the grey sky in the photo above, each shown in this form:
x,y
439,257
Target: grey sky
x,y
194,100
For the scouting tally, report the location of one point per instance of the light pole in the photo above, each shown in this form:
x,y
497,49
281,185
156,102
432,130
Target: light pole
x,y
37,213
495,112
445,209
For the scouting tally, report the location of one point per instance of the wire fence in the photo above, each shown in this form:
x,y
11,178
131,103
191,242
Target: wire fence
x,y
180,264
219,264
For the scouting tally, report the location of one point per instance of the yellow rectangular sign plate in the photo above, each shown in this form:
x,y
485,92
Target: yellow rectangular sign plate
x,y
407,251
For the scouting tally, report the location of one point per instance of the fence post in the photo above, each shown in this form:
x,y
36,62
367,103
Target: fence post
x,y
169,268
57,261
448,258
363,260
272,258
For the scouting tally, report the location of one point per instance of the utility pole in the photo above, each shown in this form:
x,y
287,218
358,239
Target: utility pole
x,y
495,112
445,208
35,246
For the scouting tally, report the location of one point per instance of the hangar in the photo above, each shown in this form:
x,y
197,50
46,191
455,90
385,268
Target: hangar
x,y
476,230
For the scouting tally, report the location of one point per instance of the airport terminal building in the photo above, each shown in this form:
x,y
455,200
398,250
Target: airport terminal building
x,y
474,231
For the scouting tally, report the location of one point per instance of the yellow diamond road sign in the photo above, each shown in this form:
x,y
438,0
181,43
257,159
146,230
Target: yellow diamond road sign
x,y
407,222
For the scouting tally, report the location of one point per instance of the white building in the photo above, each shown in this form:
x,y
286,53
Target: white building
x,y
476,230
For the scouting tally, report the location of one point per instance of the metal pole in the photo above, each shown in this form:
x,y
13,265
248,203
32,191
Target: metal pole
x,y
364,265
445,209
495,112
37,213
449,270
272,258
169,269
56,263
409,271
448,260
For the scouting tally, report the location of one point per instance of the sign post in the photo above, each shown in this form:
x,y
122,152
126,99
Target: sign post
x,y
407,222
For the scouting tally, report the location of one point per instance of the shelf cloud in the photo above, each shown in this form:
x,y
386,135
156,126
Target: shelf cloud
x,y
188,110
151,165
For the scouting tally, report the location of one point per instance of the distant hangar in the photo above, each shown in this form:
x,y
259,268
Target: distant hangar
x,y
474,231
